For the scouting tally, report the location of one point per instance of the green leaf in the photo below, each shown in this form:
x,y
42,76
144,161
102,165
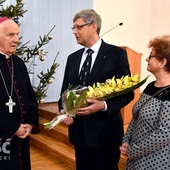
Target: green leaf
x,y
69,101
81,100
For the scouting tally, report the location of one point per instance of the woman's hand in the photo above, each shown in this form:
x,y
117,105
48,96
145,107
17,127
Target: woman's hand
x,y
123,149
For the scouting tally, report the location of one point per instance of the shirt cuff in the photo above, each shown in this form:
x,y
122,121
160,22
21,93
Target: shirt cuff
x,y
105,106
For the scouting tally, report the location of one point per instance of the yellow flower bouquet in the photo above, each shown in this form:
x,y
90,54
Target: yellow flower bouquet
x,y
76,97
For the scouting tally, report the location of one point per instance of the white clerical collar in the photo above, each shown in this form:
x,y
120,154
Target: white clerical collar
x,y
6,56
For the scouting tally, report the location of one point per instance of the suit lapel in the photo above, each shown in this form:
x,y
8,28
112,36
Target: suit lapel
x,y
100,60
77,65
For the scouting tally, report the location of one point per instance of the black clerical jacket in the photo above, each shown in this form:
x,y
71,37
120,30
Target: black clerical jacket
x,y
24,111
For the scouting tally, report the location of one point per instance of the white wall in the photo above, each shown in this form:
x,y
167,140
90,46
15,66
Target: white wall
x,y
142,20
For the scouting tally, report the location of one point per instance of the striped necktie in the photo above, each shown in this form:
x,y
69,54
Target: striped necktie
x,y
85,70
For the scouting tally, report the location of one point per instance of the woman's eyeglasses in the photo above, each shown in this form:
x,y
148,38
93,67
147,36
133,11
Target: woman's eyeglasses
x,y
151,56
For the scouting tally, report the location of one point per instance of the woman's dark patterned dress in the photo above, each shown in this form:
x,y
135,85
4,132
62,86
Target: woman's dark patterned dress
x,y
148,133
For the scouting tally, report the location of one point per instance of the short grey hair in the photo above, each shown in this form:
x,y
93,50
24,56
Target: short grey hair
x,y
89,16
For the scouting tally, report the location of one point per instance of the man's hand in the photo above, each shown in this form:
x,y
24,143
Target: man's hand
x,y
67,120
24,131
95,106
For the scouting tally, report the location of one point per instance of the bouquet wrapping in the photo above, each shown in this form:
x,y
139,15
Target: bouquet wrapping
x,y
76,97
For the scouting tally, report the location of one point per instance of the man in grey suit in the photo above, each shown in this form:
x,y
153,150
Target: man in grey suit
x,y
96,132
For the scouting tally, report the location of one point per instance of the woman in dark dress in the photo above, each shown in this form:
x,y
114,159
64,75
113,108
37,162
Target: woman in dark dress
x,y
146,143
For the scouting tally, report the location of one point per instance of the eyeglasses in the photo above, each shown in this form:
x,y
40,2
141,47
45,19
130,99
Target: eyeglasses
x,y
151,56
79,27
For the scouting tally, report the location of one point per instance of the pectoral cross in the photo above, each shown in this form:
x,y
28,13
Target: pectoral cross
x,y
10,104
